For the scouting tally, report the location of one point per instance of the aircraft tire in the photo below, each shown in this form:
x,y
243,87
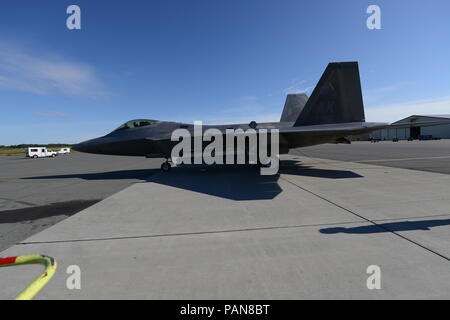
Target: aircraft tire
x,y
165,167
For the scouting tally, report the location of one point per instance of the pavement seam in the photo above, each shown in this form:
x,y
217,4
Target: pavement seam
x,y
220,231
366,219
192,233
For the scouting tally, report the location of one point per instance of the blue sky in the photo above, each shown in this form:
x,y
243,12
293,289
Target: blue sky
x,y
210,60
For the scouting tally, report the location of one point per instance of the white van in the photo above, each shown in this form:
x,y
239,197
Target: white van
x,y
63,151
40,152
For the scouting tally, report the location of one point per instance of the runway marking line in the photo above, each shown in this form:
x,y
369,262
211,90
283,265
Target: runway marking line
x,y
405,159
332,161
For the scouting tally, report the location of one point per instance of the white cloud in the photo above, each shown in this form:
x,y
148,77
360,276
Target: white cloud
x,y
297,87
375,95
44,75
392,113
259,118
244,110
51,114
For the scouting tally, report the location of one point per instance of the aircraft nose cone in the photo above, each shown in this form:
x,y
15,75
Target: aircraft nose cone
x,y
89,146
81,147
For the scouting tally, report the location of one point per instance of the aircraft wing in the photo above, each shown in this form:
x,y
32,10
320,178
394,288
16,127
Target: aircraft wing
x,y
340,128
329,133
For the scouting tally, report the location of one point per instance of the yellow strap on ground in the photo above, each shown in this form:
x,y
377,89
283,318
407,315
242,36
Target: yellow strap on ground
x,y
50,269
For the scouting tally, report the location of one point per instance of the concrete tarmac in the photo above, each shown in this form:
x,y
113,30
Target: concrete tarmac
x,y
228,233
37,193
432,156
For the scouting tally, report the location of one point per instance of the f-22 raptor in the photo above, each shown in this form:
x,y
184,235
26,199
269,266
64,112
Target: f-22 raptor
x,y
334,111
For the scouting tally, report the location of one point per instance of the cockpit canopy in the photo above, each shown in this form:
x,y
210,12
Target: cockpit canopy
x,y
136,124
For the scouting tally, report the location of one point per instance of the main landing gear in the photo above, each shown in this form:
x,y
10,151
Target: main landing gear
x,y
166,166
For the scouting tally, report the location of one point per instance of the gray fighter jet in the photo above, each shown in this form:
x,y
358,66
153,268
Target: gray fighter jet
x,y
334,111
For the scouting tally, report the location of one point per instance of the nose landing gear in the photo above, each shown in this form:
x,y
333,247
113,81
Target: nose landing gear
x,y
166,166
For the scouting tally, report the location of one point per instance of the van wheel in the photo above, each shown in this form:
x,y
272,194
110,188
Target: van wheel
x,y
35,157
53,155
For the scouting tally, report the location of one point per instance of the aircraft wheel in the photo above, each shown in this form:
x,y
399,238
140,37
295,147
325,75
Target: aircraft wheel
x,y
165,167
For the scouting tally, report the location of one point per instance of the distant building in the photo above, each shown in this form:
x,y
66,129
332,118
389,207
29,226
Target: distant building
x,y
414,127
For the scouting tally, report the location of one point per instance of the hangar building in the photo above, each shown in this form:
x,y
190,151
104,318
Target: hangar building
x,y
415,127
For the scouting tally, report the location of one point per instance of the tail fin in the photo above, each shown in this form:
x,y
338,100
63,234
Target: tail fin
x,y
337,97
293,107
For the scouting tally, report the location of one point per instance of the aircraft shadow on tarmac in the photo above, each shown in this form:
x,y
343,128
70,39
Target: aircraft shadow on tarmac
x,y
296,168
67,208
139,174
389,227
238,182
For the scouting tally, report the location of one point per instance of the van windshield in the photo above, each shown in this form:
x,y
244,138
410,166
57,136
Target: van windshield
x,y
136,124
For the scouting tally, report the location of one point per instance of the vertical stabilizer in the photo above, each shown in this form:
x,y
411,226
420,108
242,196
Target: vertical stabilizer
x,y
337,97
293,107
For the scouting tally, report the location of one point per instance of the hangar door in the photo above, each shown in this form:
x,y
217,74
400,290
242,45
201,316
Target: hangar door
x,y
415,132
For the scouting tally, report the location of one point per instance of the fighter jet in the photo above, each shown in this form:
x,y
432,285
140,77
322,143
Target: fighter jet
x,y
334,112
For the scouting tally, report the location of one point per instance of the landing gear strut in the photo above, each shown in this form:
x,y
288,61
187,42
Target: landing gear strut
x,y
165,167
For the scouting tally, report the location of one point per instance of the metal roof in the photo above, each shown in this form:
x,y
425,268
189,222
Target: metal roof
x,y
434,116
